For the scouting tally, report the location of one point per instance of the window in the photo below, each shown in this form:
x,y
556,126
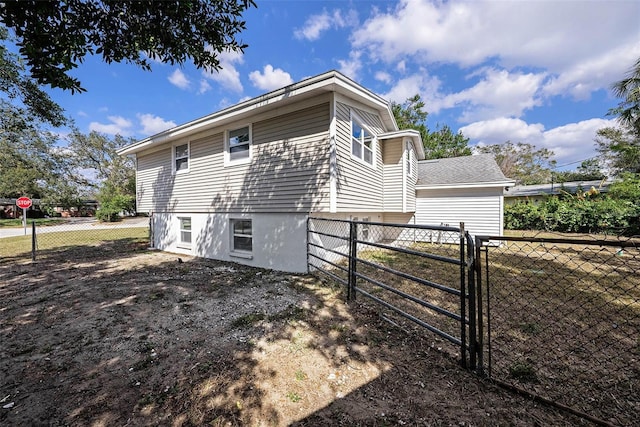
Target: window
x,y
365,229
362,142
185,231
238,145
181,158
410,157
242,236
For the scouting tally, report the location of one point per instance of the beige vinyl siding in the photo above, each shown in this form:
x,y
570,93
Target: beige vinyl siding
x,y
479,209
153,173
289,170
392,158
359,186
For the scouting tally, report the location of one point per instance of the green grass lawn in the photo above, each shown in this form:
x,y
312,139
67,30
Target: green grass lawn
x,y
39,221
21,245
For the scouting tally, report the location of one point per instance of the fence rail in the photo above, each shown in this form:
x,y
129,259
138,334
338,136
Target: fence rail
x,y
386,264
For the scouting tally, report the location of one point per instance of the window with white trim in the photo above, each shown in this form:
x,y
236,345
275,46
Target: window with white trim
x,y
181,158
241,235
362,142
411,154
185,231
238,145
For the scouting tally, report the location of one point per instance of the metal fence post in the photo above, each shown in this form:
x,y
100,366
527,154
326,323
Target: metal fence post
x,y
353,254
463,297
33,240
473,320
479,316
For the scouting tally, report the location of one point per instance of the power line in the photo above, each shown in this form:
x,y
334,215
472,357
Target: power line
x,y
573,163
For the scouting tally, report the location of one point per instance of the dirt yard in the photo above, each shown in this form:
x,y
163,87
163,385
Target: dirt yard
x,y
133,337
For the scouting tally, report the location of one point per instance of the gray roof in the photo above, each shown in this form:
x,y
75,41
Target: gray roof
x,y
481,168
555,188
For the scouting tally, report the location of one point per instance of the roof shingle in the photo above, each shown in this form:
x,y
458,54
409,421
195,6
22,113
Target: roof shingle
x,y
460,170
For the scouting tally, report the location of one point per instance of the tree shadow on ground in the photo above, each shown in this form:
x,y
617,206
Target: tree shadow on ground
x,y
144,338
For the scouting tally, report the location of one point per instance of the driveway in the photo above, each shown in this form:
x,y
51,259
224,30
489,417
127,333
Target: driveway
x,y
74,224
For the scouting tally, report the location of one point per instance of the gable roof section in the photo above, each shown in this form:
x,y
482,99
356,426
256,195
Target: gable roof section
x,y
331,81
461,172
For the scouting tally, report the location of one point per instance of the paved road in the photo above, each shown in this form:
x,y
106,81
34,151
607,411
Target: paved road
x,y
73,224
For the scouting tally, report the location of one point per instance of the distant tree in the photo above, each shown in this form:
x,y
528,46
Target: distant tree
x,y
410,115
437,145
589,170
444,143
628,111
55,36
619,148
111,175
522,162
30,163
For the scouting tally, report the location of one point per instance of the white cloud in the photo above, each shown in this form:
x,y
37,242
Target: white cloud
x,y
227,76
315,25
511,34
271,78
570,143
420,83
118,126
153,124
383,76
204,87
178,78
499,93
82,113
350,67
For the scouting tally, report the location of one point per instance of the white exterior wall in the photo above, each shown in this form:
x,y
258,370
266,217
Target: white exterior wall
x,y
480,209
279,239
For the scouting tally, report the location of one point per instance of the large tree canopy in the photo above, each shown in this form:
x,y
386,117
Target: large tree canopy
x,y
522,162
440,144
54,36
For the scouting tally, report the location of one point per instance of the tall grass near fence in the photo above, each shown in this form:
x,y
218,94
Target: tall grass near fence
x,y
563,323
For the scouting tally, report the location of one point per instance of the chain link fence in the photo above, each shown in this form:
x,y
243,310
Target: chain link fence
x,y
70,238
562,321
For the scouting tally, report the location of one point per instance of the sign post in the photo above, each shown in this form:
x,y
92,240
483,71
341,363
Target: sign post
x,y
24,203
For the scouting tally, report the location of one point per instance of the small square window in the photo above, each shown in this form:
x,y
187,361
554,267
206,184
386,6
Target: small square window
x,y
238,145
181,157
242,235
185,231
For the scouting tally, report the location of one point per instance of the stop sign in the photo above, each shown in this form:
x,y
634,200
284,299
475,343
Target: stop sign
x,y
23,202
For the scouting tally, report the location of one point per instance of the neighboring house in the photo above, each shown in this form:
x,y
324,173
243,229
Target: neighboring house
x,y
538,192
462,189
240,184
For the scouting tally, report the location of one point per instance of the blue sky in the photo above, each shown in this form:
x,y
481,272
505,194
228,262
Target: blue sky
x,y
526,71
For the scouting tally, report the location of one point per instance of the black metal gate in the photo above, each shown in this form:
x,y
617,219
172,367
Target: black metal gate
x,y
559,319
422,274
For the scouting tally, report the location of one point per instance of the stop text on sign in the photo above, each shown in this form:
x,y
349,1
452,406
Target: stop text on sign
x,y
23,202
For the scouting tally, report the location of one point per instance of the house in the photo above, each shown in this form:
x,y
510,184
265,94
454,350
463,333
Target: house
x,y
538,192
465,189
240,184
